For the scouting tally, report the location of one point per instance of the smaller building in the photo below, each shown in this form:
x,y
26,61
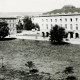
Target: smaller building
x,y
11,23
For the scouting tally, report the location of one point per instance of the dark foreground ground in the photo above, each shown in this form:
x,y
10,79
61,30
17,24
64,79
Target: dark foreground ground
x,y
48,58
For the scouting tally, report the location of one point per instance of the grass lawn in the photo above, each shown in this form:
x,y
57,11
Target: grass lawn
x,y
47,57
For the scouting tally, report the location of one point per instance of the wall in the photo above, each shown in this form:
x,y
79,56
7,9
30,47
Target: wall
x,y
66,21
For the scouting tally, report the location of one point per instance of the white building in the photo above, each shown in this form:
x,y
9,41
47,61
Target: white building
x,y
70,21
12,21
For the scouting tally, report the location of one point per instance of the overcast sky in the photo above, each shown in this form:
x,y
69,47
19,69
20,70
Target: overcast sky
x,y
34,5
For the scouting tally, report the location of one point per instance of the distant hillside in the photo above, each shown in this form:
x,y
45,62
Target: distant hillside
x,y
65,9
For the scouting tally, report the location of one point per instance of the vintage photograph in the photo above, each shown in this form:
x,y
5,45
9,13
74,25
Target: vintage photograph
x,y
39,39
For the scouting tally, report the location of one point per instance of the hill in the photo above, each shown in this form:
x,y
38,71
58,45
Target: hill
x,y
65,9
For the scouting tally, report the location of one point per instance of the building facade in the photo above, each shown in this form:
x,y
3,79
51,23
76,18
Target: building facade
x,y
11,23
70,21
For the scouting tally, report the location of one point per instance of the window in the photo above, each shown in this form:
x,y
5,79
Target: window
x,y
76,19
61,20
46,26
42,20
76,26
10,25
65,25
42,24
66,19
51,20
11,20
51,25
10,29
46,20
71,26
71,19
13,25
55,20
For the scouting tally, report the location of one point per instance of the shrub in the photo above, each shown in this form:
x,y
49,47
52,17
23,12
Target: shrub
x,y
71,78
68,70
57,34
33,71
31,66
4,30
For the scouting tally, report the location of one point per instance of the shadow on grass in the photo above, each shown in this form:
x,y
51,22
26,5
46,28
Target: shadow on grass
x,y
60,43
7,39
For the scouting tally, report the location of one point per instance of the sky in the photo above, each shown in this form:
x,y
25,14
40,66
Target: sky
x,y
35,5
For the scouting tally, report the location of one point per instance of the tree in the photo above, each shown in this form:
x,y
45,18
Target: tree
x,y
37,27
28,25
57,34
68,70
4,29
71,78
19,26
31,67
30,64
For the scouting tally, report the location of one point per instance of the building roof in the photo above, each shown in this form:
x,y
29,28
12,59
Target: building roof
x,y
7,17
55,15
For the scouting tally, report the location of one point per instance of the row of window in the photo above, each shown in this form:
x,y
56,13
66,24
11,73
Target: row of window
x,y
10,20
12,29
11,25
76,19
71,26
